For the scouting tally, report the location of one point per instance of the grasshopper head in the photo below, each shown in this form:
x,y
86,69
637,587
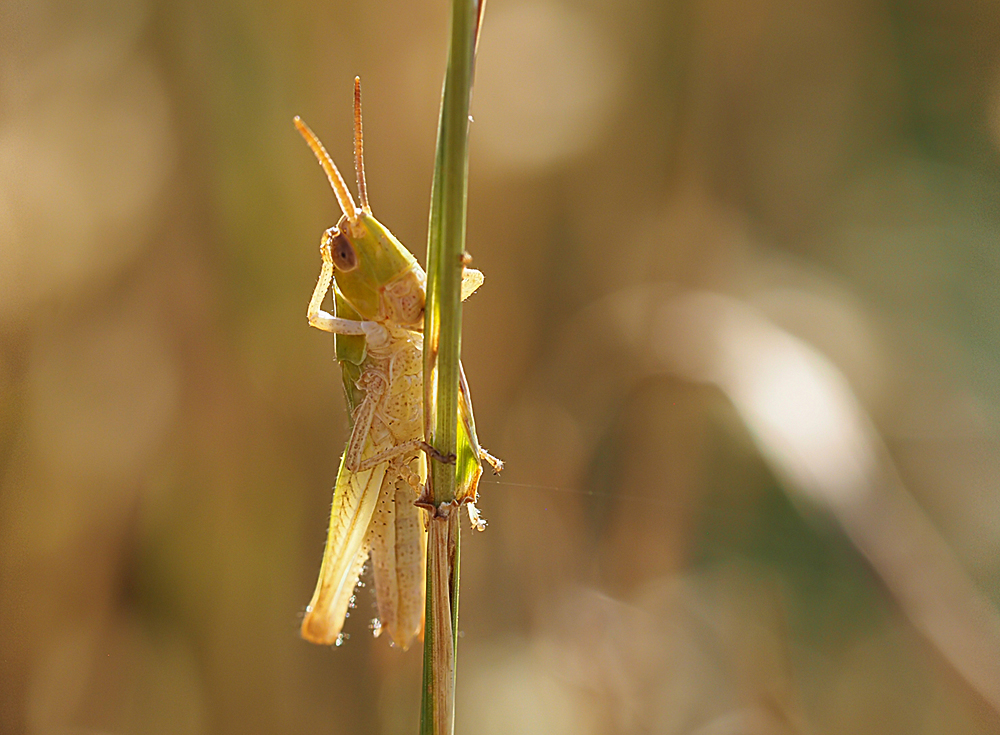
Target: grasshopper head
x,y
378,276
375,273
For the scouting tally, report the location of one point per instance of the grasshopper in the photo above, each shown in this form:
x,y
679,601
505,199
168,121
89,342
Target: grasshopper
x,y
378,291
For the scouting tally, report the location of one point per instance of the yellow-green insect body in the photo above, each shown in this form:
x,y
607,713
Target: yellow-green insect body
x,y
379,293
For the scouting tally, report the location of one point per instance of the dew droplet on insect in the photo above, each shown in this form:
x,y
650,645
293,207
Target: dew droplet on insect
x,y
340,641
376,626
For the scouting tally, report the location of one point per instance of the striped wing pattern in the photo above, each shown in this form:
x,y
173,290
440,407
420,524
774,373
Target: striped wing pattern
x,y
355,499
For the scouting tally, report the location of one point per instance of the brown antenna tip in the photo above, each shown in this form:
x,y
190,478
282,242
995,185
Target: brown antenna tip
x,y
359,158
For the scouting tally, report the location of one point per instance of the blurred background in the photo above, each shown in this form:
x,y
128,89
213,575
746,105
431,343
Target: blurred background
x,y
739,346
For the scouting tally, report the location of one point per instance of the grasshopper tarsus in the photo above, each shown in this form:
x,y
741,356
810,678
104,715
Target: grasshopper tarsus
x,y
476,518
494,462
426,501
436,455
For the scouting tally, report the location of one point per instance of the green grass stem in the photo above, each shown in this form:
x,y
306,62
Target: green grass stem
x,y
442,350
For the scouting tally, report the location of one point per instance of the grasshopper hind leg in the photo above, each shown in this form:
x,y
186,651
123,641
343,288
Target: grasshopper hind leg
x,y
397,540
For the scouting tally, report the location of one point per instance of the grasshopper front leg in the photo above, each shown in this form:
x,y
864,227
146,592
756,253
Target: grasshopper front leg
x,y
315,314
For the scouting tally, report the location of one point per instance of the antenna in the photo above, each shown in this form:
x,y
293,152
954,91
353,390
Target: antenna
x,y
344,198
359,158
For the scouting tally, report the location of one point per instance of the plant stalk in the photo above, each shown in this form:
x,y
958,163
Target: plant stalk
x,y
442,350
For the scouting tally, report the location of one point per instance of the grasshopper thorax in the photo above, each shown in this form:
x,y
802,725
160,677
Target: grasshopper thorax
x,y
403,298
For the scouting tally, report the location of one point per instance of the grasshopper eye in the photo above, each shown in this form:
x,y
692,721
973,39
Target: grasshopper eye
x,y
344,257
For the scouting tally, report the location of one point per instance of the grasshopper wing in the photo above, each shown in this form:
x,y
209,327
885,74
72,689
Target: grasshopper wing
x,y
354,501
